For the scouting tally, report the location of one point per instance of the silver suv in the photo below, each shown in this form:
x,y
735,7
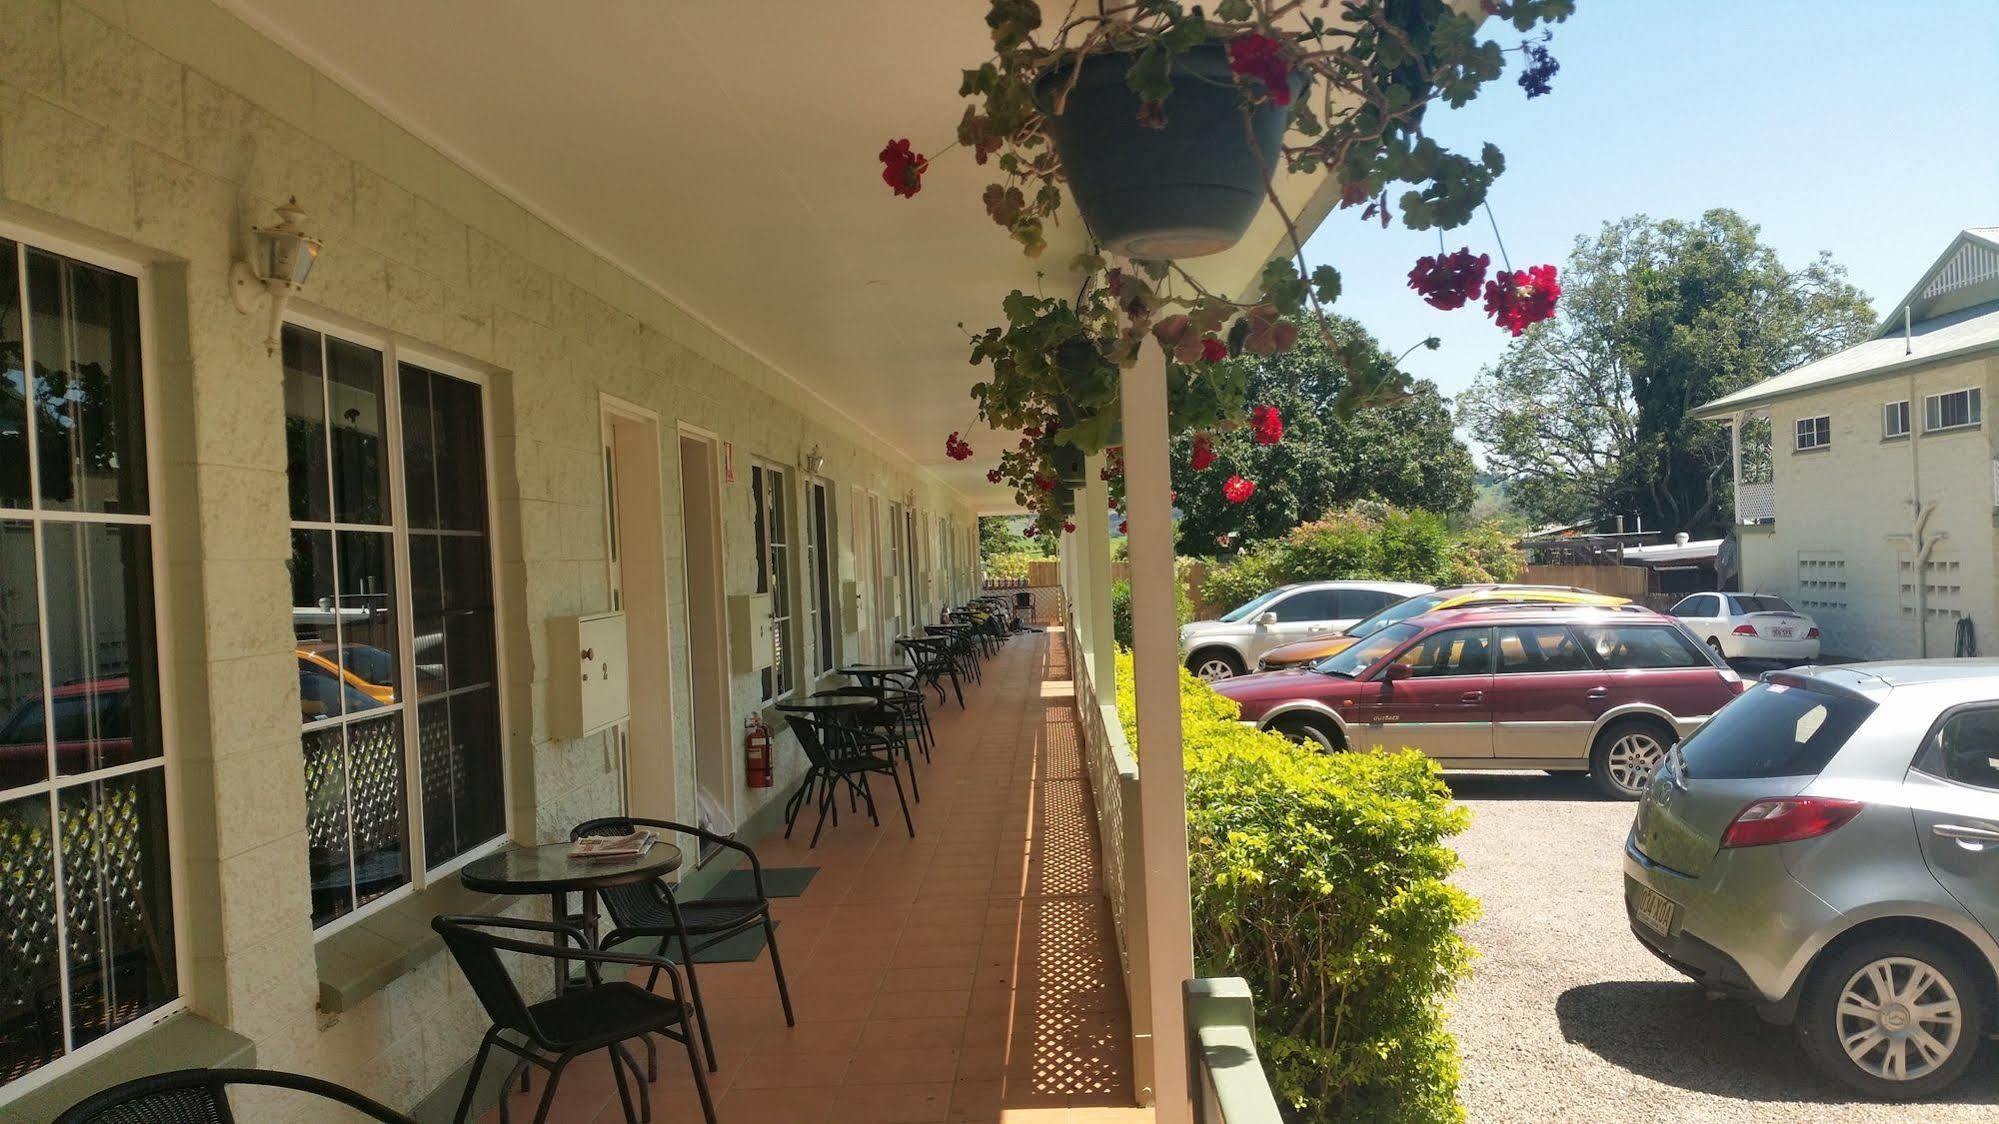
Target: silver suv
x,y
1827,847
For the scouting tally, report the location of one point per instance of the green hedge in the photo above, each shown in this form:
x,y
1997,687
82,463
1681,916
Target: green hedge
x,y
1369,540
1322,879
1183,606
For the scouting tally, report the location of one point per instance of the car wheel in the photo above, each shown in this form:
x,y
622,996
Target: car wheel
x,y
1894,1017
1715,643
1214,664
1624,755
1312,730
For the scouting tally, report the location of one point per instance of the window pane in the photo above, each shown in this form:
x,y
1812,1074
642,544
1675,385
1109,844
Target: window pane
x,y
327,843
13,392
1621,647
89,398
1540,648
24,754
1773,730
461,454
117,901
30,968
366,607
322,689
757,520
419,449
305,426
375,806
462,799
1464,651
1311,605
100,605
1967,749
357,420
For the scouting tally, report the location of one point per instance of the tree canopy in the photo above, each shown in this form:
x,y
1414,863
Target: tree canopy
x,y
1405,454
1587,416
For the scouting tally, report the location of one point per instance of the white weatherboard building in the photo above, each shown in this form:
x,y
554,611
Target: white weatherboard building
x,y
1878,516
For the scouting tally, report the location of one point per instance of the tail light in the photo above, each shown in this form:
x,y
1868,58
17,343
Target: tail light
x,y
1812,633
1788,820
1745,630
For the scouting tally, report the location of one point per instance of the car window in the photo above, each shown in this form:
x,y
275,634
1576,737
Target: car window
x,y
1696,607
1251,607
1398,611
1622,647
1740,605
1308,605
1527,648
1455,651
1966,748
1358,603
1367,652
1773,730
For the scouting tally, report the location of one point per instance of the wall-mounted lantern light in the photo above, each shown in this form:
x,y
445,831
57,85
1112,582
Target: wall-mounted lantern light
x,y
281,258
814,462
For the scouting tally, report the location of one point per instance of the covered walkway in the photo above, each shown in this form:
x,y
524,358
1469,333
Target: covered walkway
x,y
969,974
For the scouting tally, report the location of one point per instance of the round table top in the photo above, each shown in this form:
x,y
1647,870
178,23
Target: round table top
x,y
831,702
876,669
549,869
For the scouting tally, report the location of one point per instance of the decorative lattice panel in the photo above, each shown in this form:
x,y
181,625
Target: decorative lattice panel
x,y
30,1017
118,920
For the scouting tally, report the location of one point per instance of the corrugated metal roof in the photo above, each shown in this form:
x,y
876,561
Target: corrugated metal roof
x,y
1673,551
1960,333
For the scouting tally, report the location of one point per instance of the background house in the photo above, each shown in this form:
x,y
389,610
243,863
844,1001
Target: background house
x,y
1878,514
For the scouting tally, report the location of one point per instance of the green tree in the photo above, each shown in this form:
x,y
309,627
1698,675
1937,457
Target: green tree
x,y
1000,534
1587,415
1405,454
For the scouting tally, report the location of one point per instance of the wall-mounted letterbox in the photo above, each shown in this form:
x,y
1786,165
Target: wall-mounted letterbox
x,y
588,681
750,645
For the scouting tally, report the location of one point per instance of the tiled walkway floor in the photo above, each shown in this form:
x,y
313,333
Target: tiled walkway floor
x,y
966,975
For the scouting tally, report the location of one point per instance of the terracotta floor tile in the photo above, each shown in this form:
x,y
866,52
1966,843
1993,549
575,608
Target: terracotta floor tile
x,y
920,1004
903,1067
786,1071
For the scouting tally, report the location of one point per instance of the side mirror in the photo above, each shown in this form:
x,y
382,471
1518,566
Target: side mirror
x,y
1265,620
1397,671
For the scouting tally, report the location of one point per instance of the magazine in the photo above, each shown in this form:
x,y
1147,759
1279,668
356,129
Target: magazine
x,y
613,846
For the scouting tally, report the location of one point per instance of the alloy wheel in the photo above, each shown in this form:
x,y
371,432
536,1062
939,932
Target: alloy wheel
x,y
1632,759
1898,1019
1214,668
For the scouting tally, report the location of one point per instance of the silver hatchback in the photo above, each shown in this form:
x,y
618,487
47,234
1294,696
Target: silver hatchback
x,y
1827,847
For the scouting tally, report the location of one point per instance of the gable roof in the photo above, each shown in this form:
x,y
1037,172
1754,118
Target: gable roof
x,y
1952,312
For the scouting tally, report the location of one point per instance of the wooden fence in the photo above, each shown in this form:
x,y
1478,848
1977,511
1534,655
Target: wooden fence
x,y
1617,581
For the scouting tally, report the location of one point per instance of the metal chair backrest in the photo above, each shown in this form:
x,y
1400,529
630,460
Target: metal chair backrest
x,y
201,1096
478,956
817,737
627,903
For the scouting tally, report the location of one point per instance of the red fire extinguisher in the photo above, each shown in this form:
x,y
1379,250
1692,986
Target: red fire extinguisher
x,y
756,753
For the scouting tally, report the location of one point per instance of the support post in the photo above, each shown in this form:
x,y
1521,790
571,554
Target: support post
x,y
1735,460
1162,778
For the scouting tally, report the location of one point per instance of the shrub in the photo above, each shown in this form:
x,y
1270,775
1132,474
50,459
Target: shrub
x,y
1011,566
1368,540
1183,605
1323,880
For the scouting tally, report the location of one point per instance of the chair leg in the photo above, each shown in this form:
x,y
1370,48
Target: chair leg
x,y
548,1094
777,966
700,1075
472,1082
624,1088
906,821
694,996
825,801
868,795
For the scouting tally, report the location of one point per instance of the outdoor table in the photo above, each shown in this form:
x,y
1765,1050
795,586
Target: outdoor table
x,y
871,673
549,869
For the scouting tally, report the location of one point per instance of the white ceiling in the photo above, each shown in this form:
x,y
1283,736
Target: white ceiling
x,y
726,154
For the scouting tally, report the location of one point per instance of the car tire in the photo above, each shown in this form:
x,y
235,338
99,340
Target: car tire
x,y
1847,980
1620,747
1214,664
1312,730
1715,643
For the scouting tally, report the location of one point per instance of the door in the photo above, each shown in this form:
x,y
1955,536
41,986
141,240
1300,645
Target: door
x,y
1546,693
707,636
1435,695
1701,613
1297,616
862,598
1954,792
635,538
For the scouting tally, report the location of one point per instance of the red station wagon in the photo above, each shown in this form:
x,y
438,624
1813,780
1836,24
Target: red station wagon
x,y
1558,688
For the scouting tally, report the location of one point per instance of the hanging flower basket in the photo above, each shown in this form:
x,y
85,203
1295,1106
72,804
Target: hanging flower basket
x,y
1150,185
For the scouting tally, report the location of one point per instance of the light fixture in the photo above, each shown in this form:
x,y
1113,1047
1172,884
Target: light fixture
x,y
280,261
814,462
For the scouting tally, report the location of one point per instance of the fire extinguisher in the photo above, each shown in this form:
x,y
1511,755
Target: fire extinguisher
x,y
756,753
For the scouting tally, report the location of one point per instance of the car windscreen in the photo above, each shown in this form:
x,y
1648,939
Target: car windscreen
x,y
1251,607
1759,604
1400,611
1773,730
1368,652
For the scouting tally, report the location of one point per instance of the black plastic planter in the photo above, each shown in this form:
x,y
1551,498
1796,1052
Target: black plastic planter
x,y
1070,466
1183,191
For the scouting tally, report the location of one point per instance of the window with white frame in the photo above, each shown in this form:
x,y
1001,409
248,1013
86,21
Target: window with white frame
x,y
771,513
1814,433
910,546
892,575
392,603
1895,419
819,564
87,926
1958,409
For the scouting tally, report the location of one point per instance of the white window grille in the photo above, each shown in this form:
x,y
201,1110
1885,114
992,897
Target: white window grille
x,y
1814,433
1958,409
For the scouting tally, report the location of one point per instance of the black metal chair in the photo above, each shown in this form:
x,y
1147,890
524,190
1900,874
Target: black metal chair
x,y
934,663
649,910
882,728
580,1020
834,761
201,1096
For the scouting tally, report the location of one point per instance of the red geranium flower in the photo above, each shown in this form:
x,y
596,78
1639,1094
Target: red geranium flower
x,y
1121,525
902,169
1447,281
1213,350
957,449
1236,489
1519,300
1267,424
993,476
1204,452
1069,526
1045,483
1260,57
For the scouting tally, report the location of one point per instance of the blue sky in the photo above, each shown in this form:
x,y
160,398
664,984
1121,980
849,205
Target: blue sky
x,y
1834,125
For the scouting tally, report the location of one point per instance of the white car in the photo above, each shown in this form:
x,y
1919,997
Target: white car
x,y
1750,626
1219,649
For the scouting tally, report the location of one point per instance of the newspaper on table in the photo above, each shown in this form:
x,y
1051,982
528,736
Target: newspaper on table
x,y
607,847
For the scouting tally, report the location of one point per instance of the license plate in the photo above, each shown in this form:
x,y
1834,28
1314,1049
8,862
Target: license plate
x,y
1780,631
1654,910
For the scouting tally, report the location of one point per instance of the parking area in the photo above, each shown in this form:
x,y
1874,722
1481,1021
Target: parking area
x,y
1567,1017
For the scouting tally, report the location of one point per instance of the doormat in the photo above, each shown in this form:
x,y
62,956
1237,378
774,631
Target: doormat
x,y
737,949
779,882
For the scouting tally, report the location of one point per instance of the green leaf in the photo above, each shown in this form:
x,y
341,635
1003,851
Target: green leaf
x,y
1150,74
1233,10
1326,284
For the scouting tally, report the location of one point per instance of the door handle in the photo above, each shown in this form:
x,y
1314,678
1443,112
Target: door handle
x,y
1965,834
1597,693
1479,696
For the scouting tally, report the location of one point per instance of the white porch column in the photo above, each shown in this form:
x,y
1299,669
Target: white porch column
x,y
1093,535
1162,778
1735,460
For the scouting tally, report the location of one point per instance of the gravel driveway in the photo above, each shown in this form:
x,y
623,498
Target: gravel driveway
x,y
1567,1017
